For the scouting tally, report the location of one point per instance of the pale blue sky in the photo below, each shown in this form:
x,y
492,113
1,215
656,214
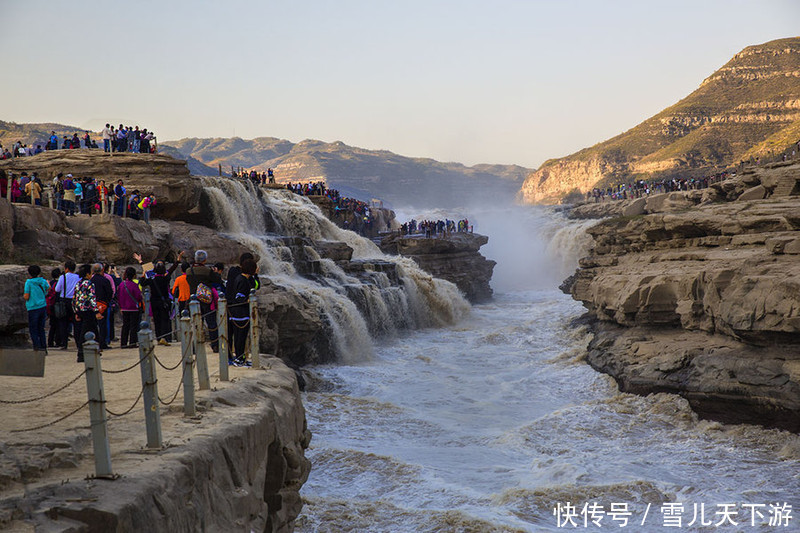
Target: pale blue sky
x,y
476,82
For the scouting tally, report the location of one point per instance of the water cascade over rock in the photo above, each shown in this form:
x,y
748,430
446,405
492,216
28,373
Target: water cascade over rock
x,y
326,291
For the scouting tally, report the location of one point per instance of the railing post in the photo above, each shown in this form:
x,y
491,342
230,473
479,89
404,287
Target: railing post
x,y
224,348
188,364
199,345
146,296
50,194
103,202
254,348
97,407
152,415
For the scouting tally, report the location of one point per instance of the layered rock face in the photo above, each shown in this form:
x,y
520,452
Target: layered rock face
x,y
382,219
455,258
748,108
178,193
703,300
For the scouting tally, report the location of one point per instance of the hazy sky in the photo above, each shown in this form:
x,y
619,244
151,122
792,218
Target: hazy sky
x,y
477,82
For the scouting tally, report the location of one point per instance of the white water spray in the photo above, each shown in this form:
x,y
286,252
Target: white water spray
x,y
355,308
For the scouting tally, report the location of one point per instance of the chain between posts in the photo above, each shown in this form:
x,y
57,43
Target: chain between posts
x,y
15,402
118,415
56,421
174,396
123,370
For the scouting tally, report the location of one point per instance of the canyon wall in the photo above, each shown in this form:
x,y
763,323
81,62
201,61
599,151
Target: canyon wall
x,y
697,293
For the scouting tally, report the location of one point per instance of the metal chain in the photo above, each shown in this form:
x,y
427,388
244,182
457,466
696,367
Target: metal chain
x,y
46,395
53,422
167,368
112,413
137,363
173,396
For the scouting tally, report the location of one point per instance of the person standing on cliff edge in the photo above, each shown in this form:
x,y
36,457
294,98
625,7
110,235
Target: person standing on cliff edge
x,y
107,138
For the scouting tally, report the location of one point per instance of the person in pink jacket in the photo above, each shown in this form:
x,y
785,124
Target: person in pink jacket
x,y
130,305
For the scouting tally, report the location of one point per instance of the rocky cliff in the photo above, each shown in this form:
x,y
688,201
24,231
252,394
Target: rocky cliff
x,y
696,293
748,108
455,258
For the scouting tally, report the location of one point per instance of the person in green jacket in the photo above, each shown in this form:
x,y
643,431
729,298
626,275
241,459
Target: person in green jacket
x,y
34,295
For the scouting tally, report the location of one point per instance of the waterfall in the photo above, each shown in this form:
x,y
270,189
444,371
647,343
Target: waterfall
x,y
357,309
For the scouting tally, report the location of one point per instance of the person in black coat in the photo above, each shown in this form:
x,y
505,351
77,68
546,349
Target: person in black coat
x,y
103,294
239,310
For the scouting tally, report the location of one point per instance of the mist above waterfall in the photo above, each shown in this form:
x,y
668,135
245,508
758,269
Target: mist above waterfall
x,y
534,247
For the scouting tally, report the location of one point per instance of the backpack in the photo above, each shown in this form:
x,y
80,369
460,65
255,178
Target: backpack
x,y
204,294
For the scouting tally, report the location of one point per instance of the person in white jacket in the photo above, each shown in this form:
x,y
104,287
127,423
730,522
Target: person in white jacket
x,y
107,138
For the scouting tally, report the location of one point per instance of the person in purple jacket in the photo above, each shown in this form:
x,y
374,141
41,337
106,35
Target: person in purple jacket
x,y
130,300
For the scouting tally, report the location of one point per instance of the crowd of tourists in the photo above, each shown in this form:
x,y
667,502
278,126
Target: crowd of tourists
x,y
122,139
434,228
88,298
78,195
127,139
258,178
642,188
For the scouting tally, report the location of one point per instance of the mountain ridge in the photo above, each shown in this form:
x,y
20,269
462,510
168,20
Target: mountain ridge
x,y
750,107
363,173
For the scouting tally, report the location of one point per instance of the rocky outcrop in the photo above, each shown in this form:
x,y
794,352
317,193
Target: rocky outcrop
x,y
178,194
748,109
455,258
381,219
239,468
704,302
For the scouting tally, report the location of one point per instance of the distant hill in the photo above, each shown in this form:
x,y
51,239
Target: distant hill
x,y
748,108
33,134
361,173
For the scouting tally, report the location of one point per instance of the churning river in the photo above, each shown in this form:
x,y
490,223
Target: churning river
x,y
497,424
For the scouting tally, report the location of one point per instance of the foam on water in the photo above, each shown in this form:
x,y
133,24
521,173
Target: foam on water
x,y
488,424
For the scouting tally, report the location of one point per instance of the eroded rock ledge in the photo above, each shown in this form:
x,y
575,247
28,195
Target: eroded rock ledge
x,y
700,296
455,258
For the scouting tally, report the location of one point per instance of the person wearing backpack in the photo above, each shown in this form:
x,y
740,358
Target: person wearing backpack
x,y
201,279
144,206
35,296
62,309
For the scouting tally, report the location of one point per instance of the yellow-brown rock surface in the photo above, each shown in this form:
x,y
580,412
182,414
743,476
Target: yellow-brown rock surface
x,y
703,301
